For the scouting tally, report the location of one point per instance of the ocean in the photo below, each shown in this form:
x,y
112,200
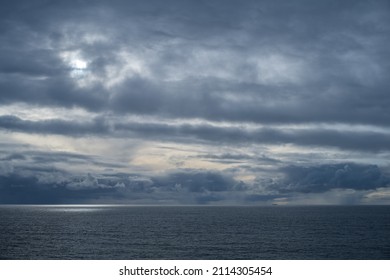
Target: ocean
x,y
194,232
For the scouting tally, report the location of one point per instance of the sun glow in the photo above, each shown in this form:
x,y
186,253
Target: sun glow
x,y
78,66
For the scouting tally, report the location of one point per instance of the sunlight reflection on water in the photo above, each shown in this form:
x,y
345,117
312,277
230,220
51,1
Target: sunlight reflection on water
x,y
75,208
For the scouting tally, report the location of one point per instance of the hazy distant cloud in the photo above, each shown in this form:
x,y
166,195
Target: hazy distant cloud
x,y
49,185
55,186
198,181
325,177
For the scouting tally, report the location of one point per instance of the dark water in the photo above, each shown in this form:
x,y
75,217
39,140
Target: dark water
x,y
36,232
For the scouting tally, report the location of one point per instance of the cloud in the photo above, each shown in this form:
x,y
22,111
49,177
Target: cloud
x,y
15,189
61,127
325,52
314,179
257,100
50,185
198,181
238,158
326,184
363,140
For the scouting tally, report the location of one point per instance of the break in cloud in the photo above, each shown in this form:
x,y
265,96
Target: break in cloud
x,y
195,102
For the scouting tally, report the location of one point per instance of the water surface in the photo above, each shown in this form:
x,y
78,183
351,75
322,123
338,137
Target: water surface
x,y
97,232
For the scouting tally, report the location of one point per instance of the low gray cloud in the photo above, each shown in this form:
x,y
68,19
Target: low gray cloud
x,y
61,127
51,186
364,140
27,160
242,159
328,55
91,91
198,181
313,179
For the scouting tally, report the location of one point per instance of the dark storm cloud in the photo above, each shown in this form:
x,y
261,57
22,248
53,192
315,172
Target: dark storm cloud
x,y
354,140
14,156
348,140
44,161
322,178
16,189
61,127
343,46
221,72
198,181
54,91
40,63
54,186
349,104
238,158
46,184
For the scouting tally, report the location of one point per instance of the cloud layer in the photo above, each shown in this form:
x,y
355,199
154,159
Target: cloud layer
x,y
194,101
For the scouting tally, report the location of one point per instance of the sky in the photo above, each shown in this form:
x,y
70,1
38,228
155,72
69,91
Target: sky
x,y
187,102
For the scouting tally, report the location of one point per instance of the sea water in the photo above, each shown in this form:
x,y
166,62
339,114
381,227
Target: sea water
x,y
161,232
